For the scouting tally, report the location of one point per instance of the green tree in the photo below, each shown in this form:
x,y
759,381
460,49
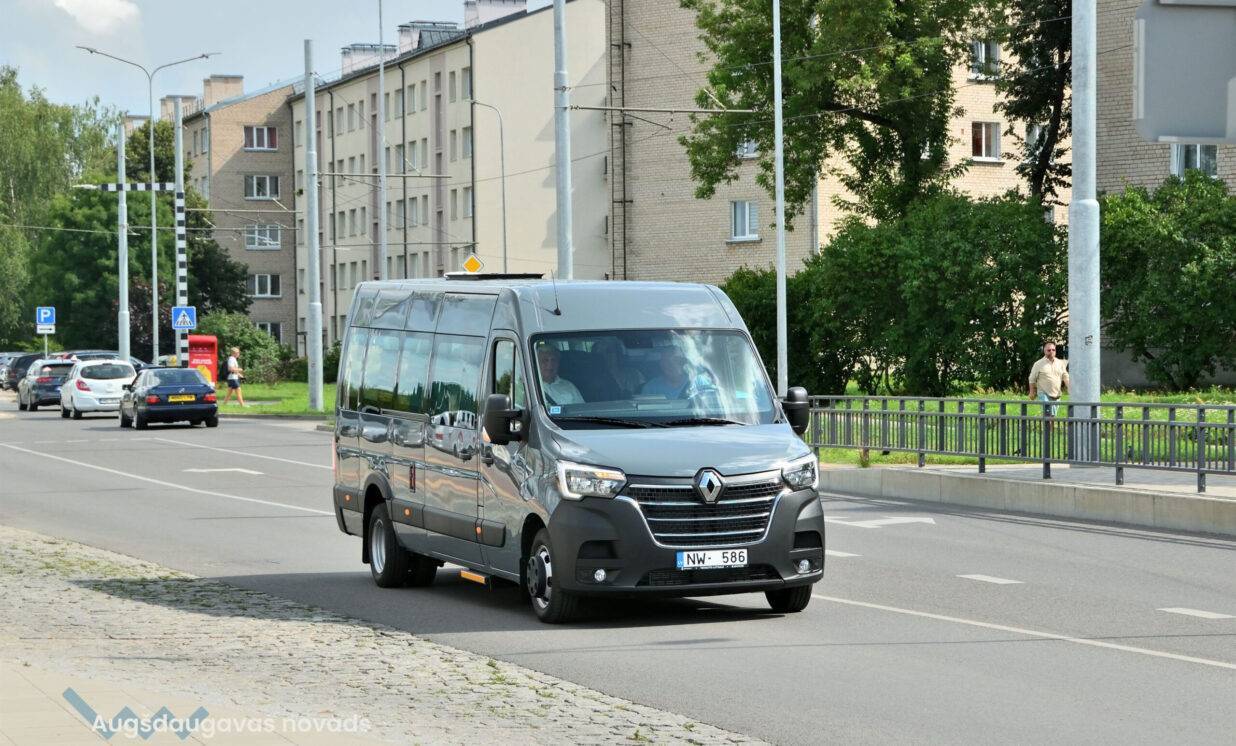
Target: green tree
x,y
1035,90
869,81
259,352
1169,277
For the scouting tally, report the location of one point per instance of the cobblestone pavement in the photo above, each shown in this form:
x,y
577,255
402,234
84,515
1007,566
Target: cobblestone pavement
x,y
87,612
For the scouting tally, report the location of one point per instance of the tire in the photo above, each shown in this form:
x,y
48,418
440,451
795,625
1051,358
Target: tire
x,y
789,600
421,570
125,421
212,421
194,423
388,562
64,413
77,413
32,407
550,606
139,421
21,405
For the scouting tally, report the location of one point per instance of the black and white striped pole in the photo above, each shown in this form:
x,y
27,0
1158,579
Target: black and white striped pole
x,y
182,255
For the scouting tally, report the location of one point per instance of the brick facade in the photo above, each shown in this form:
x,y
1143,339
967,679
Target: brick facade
x,y
214,143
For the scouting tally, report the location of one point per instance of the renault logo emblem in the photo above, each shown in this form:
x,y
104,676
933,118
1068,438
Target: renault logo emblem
x,y
709,484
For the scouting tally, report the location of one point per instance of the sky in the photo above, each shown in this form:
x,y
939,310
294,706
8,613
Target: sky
x,y
263,40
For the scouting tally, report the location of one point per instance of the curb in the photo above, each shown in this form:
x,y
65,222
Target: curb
x,y
272,416
1154,510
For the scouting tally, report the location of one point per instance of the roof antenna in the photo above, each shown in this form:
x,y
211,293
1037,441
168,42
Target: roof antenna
x,y
557,308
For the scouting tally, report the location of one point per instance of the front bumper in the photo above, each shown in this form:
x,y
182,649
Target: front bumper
x,y
599,533
179,412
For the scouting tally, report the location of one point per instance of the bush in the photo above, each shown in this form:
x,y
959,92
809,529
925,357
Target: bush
x,y
260,354
957,291
1169,277
297,369
330,362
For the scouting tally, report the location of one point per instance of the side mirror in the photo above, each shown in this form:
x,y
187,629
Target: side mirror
x,y
502,423
797,407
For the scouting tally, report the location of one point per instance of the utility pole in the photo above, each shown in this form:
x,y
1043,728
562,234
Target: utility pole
x,y
182,260
380,156
154,238
1084,224
779,166
502,174
313,343
562,144
122,249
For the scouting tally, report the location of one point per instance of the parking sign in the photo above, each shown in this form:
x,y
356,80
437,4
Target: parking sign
x,y
45,315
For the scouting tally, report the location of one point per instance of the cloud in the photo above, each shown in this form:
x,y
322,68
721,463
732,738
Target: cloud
x,y
100,17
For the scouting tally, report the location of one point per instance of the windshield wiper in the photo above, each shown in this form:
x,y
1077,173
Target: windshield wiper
x,y
609,421
702,421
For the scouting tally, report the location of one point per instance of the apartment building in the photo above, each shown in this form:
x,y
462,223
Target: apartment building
x,y
240,152
445,89
1123,157
662,231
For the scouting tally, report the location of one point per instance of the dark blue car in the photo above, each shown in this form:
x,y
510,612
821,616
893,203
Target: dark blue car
x,y
168,395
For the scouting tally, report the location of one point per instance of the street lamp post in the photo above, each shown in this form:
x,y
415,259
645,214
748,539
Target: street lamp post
x,y
154,241
502,167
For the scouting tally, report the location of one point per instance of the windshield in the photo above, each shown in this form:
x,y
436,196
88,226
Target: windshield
x,y
173,377
651,378
108,371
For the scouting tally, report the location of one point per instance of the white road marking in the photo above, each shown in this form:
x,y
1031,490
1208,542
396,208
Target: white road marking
x,y
244,453
172,485
1197,613
878,522
835,553
233,468
990,579
1031,632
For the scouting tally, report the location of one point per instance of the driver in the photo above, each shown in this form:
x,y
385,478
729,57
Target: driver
x,y
672,381
557,390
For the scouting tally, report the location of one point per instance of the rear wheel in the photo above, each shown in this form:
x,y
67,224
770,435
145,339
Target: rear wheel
x,y
551,605
212,421
77,413
789,600
64,413
388,562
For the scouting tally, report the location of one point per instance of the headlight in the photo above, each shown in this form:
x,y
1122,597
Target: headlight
x,y
801,473
576,481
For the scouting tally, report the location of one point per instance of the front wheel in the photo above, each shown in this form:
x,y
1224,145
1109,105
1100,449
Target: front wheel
x,y
125,421
388,562
32,407
789,600
551,605
139,421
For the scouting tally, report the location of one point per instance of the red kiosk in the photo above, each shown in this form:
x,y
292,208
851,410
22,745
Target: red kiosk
x,y
204,355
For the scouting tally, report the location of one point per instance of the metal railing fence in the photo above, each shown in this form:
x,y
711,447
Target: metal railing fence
x,y
1193,438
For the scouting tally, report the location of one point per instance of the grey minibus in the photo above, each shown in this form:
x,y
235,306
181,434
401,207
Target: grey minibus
x,y
577,438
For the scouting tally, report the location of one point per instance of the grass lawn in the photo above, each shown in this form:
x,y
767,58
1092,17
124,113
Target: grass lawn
x,y
285,398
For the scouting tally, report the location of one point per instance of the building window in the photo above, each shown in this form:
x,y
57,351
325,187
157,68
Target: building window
x,y
465,78
399,214
263,237
300,179
1204,158
424,209
360,112
362,221
437,82
1034,141
351,117
386,158
466,137
300,281
413,213
411,98
273,328
747,149
261,187
454,204
467,202
195,141
985,141
389,210
205,140
451,87
264,286
744,222
260,138
454,144
352,164
300,135
424,95
400,163
386,106
352,222
984,59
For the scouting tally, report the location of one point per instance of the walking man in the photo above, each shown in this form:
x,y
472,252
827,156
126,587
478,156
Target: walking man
x,y
235,374
1048,377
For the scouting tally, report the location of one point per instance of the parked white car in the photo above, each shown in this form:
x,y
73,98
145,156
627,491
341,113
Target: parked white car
x,y
95,386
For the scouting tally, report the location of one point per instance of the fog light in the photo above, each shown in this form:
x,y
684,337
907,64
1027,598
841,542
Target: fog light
x,y
804,567
599,576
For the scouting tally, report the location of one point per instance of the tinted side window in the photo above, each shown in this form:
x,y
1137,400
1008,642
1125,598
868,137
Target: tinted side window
x,y
466,314
362,306
508,376
391,309
414,373
423,316
456,373
381,365
350,376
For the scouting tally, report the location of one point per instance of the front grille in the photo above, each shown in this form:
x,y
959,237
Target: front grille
x,y
678,516
672,576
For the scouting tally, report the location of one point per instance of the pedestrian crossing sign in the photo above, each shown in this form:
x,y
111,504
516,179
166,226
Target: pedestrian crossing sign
x,y
184,318
473,264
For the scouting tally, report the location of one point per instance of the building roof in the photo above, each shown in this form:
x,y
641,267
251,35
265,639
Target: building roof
x,y
238,99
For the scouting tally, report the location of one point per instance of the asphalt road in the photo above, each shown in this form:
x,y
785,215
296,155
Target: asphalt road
x,y
940,626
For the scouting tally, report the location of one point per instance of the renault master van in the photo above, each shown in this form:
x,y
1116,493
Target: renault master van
x,y
577,438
